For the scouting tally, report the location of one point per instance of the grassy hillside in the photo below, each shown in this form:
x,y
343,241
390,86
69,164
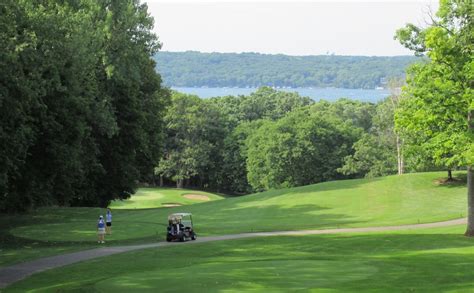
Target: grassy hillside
x,y
434,260
146,198
392,200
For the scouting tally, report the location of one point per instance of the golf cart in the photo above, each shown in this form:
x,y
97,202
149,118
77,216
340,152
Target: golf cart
x,y
180,227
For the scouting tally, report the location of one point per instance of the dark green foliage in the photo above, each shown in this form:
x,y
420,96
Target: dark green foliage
x,y
373,157
302,148
234,164
194,69
244,115
271,139
194,136
375,152
356,112
206,139
80,102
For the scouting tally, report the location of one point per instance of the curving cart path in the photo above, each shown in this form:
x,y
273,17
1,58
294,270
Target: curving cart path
x,y
11,274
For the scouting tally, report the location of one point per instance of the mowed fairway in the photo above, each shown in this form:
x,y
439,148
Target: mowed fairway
x,y
150,197
392,200
431,260
51,231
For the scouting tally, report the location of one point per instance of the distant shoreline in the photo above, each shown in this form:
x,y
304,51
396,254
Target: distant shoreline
x,y
330,94
273,87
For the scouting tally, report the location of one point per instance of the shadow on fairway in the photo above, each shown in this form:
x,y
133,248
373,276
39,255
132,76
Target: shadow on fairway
x,y
339,263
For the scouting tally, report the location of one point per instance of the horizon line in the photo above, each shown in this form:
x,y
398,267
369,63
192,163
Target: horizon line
x,y
284,54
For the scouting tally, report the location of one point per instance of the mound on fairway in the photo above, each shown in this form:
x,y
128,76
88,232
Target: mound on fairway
x,y
392,200
147,198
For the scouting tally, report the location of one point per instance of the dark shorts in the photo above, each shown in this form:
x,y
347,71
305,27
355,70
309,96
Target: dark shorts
x,y
109,224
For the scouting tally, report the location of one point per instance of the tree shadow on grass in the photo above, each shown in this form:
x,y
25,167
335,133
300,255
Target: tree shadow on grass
x,y
459,180
351,263
339,263
412,262
19,246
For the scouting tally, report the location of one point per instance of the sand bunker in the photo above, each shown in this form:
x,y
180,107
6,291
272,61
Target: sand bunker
x,y
196,196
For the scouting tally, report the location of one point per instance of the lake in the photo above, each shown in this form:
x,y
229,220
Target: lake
x,y
330,94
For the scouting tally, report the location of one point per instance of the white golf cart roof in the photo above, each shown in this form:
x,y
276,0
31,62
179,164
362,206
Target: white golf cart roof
x,y
178,215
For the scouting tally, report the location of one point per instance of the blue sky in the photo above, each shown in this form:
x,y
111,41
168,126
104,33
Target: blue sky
x,y
347,27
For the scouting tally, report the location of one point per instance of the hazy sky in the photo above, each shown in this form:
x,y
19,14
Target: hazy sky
x,y
294,28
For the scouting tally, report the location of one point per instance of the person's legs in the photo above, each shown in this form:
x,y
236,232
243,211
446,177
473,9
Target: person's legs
x,y
101,234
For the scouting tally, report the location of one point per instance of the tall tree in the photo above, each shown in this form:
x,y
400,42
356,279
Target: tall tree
x,y
17,99
80,101
193,138
440,93
395,84
302,148
242,116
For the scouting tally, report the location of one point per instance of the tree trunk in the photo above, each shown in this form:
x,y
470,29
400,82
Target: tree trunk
x,y
399,156
450,175
153,179
402,162
179,183
470,187
470,203
161,181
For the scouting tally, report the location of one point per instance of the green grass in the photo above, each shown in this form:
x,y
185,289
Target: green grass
x,y
432,260
392,200
51,231
149,197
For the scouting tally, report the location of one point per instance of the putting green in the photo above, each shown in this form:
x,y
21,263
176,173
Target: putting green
x,y
154,197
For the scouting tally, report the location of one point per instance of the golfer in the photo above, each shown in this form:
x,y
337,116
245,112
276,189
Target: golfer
x,y
101,229
108,222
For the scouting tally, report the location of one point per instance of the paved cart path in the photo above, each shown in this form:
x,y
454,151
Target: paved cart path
x,y
11,274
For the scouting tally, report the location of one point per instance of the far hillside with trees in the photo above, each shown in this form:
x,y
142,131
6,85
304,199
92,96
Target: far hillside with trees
x,y
195,69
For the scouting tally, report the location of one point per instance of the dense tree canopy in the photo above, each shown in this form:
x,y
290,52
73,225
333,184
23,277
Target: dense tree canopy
x,y
270,139
302,148
194,136
80,101
195,69
375,151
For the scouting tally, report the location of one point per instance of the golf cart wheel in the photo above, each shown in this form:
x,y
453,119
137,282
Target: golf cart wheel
x,y
168,239
181,238
193,236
